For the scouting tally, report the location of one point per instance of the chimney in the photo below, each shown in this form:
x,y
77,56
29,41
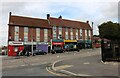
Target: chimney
x,y
60,17
48,16
10,13
87,22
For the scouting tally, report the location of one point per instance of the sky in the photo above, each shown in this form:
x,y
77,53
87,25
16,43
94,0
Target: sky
x,y
97,11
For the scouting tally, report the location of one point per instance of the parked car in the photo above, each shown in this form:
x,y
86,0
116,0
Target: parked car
x,y
57,50
38,52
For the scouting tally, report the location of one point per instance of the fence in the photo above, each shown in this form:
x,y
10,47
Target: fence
x,y
110,50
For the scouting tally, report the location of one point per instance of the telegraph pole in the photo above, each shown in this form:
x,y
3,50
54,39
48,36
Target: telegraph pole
x,y
92,36
32,41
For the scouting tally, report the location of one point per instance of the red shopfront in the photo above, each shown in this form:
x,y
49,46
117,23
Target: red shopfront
x,y
57,46
14,47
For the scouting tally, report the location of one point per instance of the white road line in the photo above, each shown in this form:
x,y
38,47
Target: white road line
x,y
24,65
86,63
53,65
39,63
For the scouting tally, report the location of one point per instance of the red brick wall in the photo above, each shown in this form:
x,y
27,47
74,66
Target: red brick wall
x,y
78,34
49,34
57,31
63,33
11,32
74,33
83,35
68,33
34,34
41,35
30,34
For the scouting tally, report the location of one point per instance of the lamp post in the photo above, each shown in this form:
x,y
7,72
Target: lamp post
x,y
32,47
32,41
92,36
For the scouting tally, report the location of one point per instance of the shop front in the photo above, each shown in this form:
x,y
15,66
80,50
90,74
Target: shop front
x,y
88,44
81,44
14,48
71,45
57,45
42,46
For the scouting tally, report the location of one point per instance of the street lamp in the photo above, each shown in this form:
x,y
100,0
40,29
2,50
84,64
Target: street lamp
x,y
92,36
32,41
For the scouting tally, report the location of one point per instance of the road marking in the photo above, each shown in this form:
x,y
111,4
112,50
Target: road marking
x,y
48,69
39,63
23,65
71,73
58,56
74,74
62,67
83,75
86,63
53,65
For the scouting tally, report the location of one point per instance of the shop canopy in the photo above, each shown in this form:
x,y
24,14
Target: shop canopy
x,y
57,40
70,40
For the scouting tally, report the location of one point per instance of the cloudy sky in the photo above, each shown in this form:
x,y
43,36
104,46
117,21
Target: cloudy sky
x,y
97,11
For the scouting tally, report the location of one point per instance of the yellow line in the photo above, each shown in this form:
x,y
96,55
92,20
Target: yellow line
x,y
63,67
53,72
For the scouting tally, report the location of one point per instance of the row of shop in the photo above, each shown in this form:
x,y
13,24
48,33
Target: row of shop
x,y
56,45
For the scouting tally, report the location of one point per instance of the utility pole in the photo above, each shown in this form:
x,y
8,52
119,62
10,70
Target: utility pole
x,y
32,41
92,36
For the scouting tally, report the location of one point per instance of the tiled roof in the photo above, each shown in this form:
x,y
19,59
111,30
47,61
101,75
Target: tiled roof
x,y
44,23
27,21
68,23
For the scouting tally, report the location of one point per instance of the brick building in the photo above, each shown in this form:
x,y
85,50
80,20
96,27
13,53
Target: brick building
x,y
32,31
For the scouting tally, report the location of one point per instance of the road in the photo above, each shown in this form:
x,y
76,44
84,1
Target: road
x,y
39,65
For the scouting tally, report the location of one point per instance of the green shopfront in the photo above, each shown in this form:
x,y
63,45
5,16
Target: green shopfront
x,y
82,44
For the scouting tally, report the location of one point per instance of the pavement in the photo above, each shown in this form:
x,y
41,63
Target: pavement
x,y
10,61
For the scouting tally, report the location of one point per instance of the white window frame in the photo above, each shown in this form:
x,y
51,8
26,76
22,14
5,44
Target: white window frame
x,y
45,35
25,34
54,32
16,37
71,33
38,34
66,33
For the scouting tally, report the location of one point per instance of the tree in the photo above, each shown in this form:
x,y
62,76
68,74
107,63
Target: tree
x,y
110,31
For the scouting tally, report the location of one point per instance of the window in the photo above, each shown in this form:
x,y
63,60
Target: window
x,y
45,35
77,34
60,32
54,32
66,33
71,33
89,33
16,33
37,34
80,33
85,34
25,33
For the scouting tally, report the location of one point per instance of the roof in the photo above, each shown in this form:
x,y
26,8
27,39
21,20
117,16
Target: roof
x,y
27,21
68,23
44,23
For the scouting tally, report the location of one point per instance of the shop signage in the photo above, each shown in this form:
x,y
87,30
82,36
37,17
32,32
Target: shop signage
x,y
57,43
15,43
70,40
42,43
30,43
